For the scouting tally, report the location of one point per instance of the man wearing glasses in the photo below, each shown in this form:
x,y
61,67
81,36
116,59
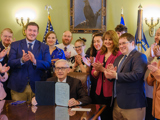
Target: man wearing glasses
x,y
6,40
128,74
78,95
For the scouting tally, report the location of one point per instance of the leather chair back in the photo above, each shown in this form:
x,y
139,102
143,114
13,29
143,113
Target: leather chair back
x,y
83,77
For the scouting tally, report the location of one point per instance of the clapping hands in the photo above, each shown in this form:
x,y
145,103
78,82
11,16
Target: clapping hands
x,y
88,61
67,54
3,53
110,71
28,56
97,66
153,67
3,69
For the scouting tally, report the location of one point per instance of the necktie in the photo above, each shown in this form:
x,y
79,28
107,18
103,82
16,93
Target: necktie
x,y
30,46
120,65
65,48
118,70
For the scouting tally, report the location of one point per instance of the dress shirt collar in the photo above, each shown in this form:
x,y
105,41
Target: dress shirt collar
x,y
27,41
63,80
66,46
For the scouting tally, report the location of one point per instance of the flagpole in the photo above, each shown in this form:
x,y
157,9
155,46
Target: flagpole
x,y
122,10
140,27
48,7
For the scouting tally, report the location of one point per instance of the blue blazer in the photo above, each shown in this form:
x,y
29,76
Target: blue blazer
x,y
130,83
20,74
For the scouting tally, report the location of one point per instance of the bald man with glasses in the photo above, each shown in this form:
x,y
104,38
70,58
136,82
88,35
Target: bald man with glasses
x,y
78,95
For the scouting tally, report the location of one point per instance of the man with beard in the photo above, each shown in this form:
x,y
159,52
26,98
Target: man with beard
x,y
67,46
28,61
151,58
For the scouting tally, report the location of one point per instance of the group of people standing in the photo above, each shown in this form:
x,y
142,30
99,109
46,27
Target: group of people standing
x,y
116,69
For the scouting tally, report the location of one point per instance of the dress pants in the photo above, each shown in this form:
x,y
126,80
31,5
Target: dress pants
x,y
128,114
26,95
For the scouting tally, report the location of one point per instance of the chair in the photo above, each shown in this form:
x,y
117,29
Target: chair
x,y
83,77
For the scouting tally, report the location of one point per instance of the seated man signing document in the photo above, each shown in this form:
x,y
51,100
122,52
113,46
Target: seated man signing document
x,y
78,96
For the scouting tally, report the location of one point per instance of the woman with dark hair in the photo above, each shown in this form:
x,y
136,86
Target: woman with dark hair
x,y
55,52
92,52
77,61
108,53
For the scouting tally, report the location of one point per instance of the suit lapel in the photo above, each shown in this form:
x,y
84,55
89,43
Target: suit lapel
x,y
24,45
68,80
128,58
36,47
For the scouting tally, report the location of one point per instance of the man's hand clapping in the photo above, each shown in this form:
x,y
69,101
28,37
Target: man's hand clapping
x,y
28,56
67,54
3,53
4,69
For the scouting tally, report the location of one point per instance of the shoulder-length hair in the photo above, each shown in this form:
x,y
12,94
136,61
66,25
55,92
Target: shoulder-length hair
x,y
113,35
93,51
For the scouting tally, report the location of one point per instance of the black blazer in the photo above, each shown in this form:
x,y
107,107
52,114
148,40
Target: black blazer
x,y
76,90
130,83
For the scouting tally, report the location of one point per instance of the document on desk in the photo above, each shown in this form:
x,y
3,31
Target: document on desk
x,y
61,113
81,109
62,93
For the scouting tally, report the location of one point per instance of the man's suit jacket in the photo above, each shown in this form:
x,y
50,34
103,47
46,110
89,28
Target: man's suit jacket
x,y
5,59
130,84
76,90
20,74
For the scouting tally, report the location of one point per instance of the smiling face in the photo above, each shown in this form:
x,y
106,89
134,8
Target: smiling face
x,y
51,39
67,38
157,36
62,70
125,46
31,33
79,47
97,42
108,42
6,38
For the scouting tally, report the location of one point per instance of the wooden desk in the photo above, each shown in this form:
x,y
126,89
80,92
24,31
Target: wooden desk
x,y
25,112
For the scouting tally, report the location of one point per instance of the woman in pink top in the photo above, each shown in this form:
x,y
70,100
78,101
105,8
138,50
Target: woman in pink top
x,y
108,53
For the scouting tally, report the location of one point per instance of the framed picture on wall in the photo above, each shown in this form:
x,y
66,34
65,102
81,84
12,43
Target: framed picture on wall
x,y
87,16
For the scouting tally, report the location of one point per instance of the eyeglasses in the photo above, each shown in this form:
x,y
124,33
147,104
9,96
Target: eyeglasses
x,y
61,68
5,36
78,47
123,43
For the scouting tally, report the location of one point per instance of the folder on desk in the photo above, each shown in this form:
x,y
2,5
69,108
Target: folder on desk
x,y
45,92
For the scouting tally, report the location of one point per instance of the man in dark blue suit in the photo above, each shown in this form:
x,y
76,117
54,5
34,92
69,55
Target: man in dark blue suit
x,y
28,61
128,75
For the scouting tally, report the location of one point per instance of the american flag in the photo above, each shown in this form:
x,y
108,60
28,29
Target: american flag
x,y
49,28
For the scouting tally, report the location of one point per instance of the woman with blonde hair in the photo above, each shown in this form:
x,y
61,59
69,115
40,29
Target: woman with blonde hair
x,y
77,61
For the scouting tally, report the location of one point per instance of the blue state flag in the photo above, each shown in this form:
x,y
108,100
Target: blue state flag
x,y
122,20
144,45
49,28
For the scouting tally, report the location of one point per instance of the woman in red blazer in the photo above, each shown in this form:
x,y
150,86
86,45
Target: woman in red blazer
x,y
108,53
